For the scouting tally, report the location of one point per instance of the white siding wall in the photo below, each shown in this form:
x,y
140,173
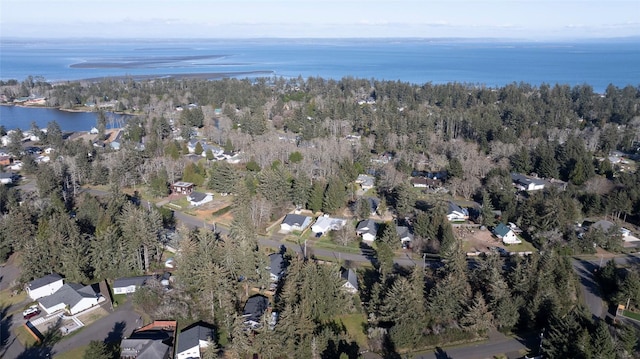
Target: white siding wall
x,y
45,291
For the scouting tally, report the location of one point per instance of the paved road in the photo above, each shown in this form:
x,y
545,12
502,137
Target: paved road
x,y
11,317
111,328
585,268
590,289
487,350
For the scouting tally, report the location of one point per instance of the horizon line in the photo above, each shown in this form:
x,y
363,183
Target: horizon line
x,y
421,38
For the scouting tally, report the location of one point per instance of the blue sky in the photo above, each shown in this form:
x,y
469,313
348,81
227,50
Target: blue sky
x,y
519,19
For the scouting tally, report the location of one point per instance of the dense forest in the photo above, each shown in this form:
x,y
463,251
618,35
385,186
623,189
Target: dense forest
x,y
303,142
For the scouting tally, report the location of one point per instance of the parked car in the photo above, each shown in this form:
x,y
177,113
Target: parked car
x,y
31,312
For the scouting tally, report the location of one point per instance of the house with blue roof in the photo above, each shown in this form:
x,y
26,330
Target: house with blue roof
x,y
506,234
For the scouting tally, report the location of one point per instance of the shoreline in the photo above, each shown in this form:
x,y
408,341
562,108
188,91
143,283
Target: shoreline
x,y
195,75
71,110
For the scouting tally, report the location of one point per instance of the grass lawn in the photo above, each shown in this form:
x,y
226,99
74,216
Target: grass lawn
x,y
72,354
8,299
522,247
182,202
355,324
326,242
24,337
119,299
632,315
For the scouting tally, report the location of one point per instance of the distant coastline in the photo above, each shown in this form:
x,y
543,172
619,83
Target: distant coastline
x,y
198,76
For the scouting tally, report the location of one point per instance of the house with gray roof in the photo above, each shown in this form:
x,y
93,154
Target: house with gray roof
x,y
525,183
192,340
276,266
254,309
72,297
153,341
294,222
456,213
44,286
199,198
405,235
128,285
368,230
350,280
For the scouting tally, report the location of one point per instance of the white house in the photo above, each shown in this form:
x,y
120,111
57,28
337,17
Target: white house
x,y
456,213
72,297
192,340
276,266
350,280
368,230
129,284
525,183
325,223
199,198
506,234
6,178
294,222
365,181
44,286
405,235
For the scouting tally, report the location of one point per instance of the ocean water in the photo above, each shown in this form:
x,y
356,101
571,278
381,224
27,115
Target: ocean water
x,y
12,117
418,61
490,63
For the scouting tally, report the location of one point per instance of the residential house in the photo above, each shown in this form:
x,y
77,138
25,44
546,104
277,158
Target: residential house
x,y
350,280
425,182
116,140
6,177
368,230
128,285
153,341
199,198
44,286
365,181
191,146
506,234
5,160
254,309
192,340
374,204
405,235
215,150
295,222
456,213
419,182
325,223
276,266
181,187
602,225
72,297
525,183
16,165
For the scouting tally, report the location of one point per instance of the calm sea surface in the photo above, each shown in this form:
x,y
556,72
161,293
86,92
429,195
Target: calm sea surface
x,y
597,63
12,117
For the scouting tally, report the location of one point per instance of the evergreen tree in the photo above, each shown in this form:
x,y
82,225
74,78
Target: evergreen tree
x,y
198,150
602,344
317,195
488,215
222,177
477,316
300,190
455,170
334,196
404,200
98,349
